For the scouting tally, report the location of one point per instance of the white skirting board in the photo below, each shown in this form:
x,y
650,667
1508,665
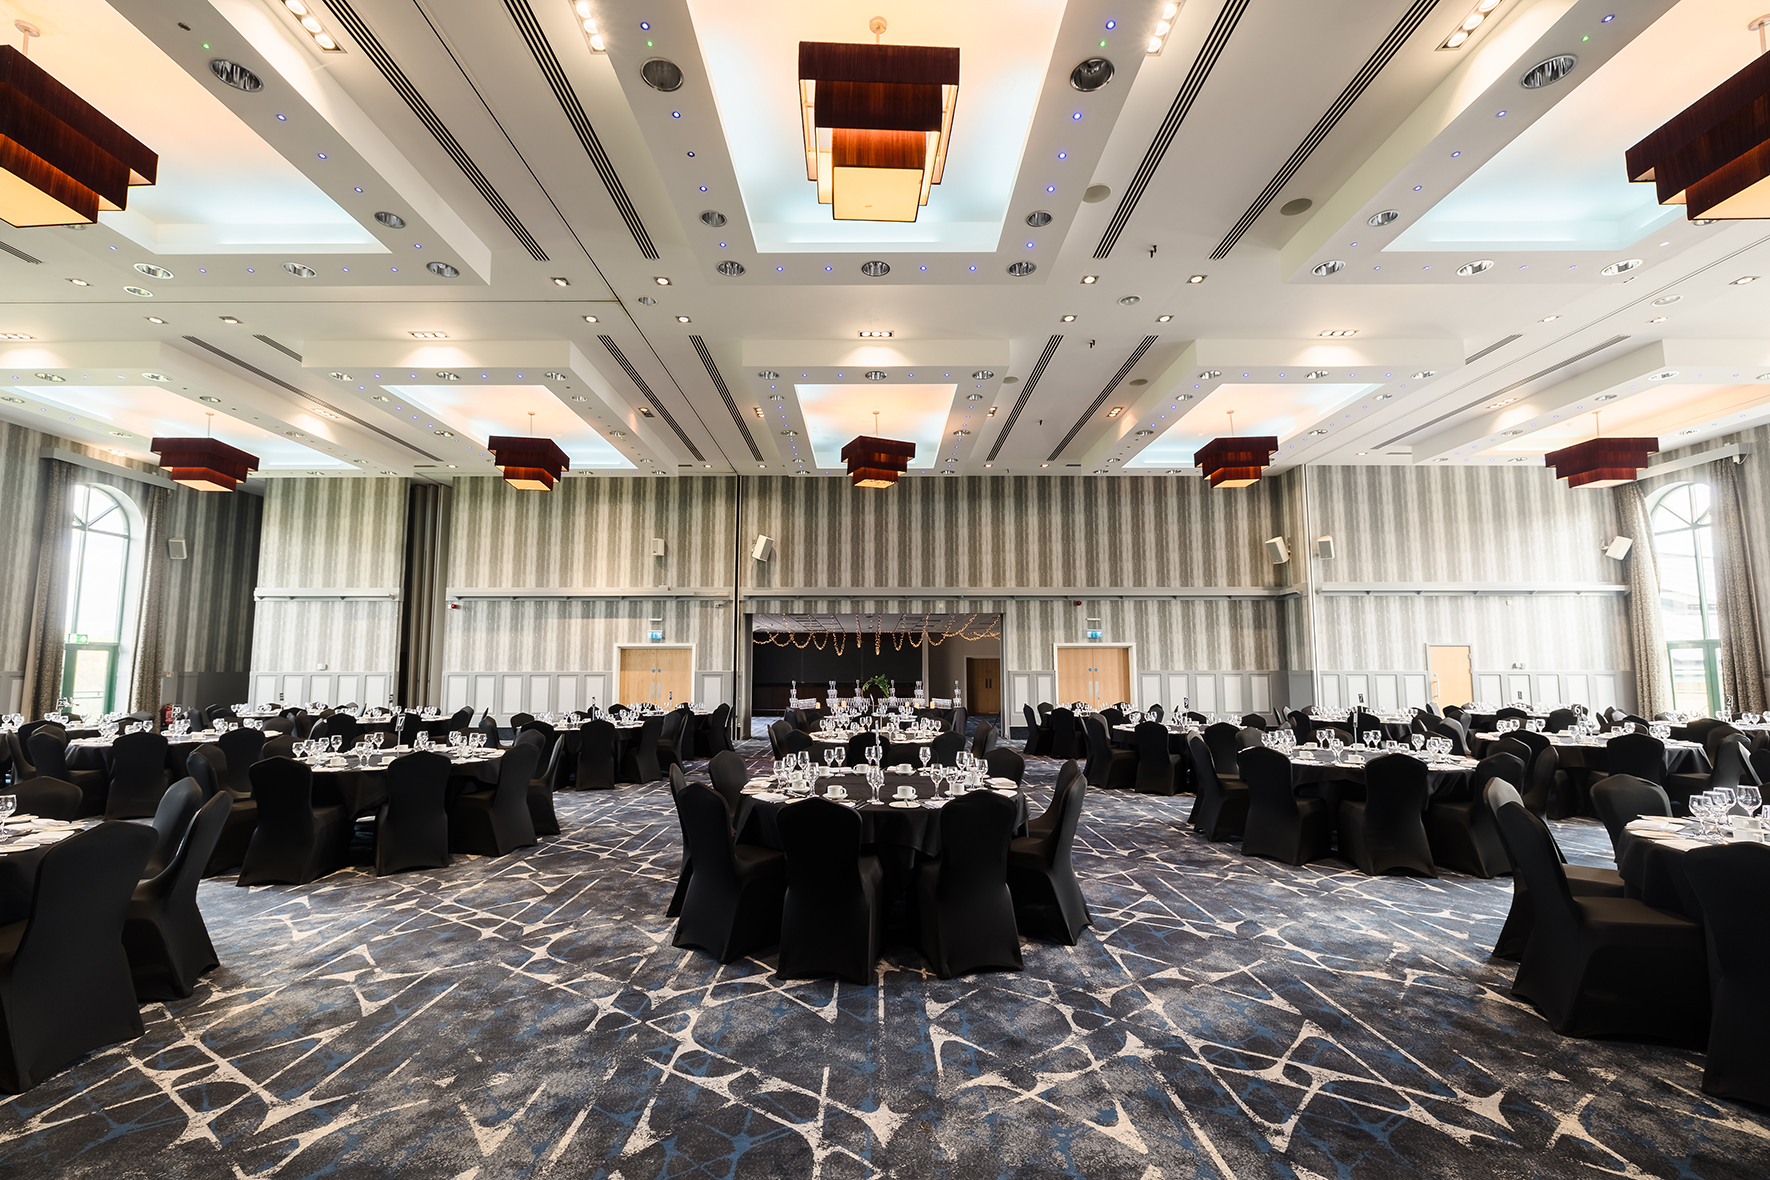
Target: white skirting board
x,y
329,687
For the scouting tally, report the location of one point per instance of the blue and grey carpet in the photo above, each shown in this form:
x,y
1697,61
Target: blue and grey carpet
x,y
1224,1017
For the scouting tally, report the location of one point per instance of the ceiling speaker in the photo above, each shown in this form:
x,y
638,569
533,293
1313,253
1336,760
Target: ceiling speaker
x,y
1324,548
1619,548
657,546
175,550
763,549
1278,550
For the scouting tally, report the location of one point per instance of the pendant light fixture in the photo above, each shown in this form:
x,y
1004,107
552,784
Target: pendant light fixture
x,y
61,161
877,120
206,464
875,462
532,464
1235,462
1601,462
1714,156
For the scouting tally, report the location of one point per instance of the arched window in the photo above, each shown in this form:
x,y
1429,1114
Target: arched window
x,y
98,599
1684,545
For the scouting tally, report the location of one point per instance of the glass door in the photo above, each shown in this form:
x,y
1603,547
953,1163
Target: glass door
x,y
89,677
1696,675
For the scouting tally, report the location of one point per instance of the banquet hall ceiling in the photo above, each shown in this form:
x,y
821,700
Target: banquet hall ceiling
x,y
1175,280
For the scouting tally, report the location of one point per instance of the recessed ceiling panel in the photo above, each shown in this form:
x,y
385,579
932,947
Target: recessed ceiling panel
x,y
1670,413
480,411
836,414
752,60
152,411
1281,410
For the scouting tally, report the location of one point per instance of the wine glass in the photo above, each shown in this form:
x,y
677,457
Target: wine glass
x,y
8,805
1418,740
377,738
1371,737
925,754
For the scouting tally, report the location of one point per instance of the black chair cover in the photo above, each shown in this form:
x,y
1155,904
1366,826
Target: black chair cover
x,y
831,919
496,822
1048,901
214,773
985,740
641,762
1638,754
65,988
1047,820
137,763
1463,833
718,730
541,788
172,820
1604,966
294,841
1280,825
1731,881
733,902
49,750
1561,719
164,936
339,725
1158,771
1728,758
1386,830
1622,798
671,743
1255,721
48,797
489,727
412,827
1106,766
1038,737
1221,810
596,756
1582,881
944,750
963,900
855,753
797,742
1062,726
1006,763
243,747
1223,740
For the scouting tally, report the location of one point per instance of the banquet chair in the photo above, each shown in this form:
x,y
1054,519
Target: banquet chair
x,y
1038,738
640,764
1280,826
797,742
944,750
1004,762
496,821
1302,727
164,935
855,753
777,736
1511,712
1561,719
65,987
1730,881
209,765
718,731
1699,730
339,725
1112,715
674,737
1639,754
518,720
1106,766
1581,880
686,870
985,740
964,906
412,826
171,818
1154,712
1450,730
1062,724
1223,740
832,915
137,765
1462,833
1730,767
1386,830
20,765
596,756
49,756
294,842
1604,966
958,721
1048,901
1248,737
1047,820
541,789
489,726
243,747
1194,716
1255,721
49,798
1157,771
1221,810
732,905
1621,799
730,774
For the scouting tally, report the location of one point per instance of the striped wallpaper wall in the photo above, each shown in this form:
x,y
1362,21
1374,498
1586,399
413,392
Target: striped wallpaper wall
x,y
20,495
1390,632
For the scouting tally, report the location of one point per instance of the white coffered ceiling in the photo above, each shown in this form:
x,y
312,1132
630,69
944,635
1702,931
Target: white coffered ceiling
x,y
559,189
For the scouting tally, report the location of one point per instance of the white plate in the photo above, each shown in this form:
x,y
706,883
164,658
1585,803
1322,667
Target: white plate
x,y
906,803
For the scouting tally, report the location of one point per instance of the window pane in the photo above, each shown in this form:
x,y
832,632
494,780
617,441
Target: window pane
x,y
102,576
92,679
1690,680
1679,600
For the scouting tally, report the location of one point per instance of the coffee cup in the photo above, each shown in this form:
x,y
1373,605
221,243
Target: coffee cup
x,y
906,792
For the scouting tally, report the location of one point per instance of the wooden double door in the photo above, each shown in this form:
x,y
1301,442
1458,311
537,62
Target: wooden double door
x,y
1096,674
657,675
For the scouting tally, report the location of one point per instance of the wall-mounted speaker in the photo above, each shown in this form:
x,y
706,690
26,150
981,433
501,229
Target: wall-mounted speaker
x,y
1278,550
1324,548
763,549
1619,548
657,546
175,549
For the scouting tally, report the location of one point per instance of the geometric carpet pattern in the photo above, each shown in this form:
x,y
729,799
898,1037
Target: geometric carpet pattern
x,y
1223,1017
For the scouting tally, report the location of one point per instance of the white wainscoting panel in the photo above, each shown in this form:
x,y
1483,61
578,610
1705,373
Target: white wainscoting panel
x,y
1044,687
1149,689
454,693
1518,685
264,689
1579,691
1179,688
1204,693
510,695
1331,695
1489,686
540,697
1260,696
1358,689
1414,693
485,692
1388,691
1232,697
1020,693
1548,689
1604,690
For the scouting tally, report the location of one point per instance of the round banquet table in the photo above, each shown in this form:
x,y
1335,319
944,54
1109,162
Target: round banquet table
x,y
1650,861
18,870
1125,736
1681,757
912,828
1446,781
362,789
627,735
87,753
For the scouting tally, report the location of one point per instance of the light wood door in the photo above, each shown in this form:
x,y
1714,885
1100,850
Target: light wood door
x,y
983,687
1096,676
659,675
1452,680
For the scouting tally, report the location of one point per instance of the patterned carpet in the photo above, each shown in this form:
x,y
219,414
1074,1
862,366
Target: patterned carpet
x,y
528,1016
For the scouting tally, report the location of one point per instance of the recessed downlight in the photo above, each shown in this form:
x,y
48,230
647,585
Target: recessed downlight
x,y
1130,300
391,220
1038,219
1666,300
442,270
1386,217
1479,266
712,217
983,375
302,271
769,375
54,378
876,374
152,271
1332,266
1662,375
1091,75
1296,206
156,377
232,73
138,292
1622,267
661,74
1548,72
731,268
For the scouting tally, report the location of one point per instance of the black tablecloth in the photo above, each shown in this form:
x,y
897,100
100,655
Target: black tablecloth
x,y
1679,759
915,828
362,791
1653,871
178,752
1347,782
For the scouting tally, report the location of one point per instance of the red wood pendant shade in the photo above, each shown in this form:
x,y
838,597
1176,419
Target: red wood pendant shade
x,y
206,464
877,120
61,161
877,462
532,464
1714,156
1235,462
1601,462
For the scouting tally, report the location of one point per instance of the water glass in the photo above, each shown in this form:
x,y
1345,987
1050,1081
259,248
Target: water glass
x,y
1418,740
1371,737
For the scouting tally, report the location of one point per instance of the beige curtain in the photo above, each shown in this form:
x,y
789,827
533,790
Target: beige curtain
x,y
1647,641
145,687
423,600
49,606
1736,598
